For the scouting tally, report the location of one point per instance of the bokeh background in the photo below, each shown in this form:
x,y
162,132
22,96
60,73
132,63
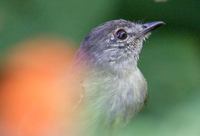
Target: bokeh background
x,y
170,59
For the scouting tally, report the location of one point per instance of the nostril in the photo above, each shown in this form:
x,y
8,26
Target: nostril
x,y
144,26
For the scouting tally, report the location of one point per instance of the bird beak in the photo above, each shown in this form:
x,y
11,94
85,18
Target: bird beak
x,y
148,27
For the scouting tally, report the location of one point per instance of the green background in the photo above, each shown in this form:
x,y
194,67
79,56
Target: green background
x,y
170,59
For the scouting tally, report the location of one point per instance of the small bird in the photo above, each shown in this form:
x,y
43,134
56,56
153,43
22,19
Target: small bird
x,y
114,87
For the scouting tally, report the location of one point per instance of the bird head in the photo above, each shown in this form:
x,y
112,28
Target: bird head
x,y
116,44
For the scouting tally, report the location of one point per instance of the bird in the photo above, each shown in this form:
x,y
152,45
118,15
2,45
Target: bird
x,y
115,89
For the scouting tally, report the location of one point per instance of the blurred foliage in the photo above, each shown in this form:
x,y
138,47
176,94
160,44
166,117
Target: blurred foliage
x,y
71,18
179,14
170,59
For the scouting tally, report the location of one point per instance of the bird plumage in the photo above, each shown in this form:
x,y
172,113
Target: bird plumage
x,y
114,87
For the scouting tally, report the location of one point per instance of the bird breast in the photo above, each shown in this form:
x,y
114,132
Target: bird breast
x,y
113,98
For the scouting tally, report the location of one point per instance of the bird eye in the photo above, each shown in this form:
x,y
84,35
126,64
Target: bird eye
x,y
121,34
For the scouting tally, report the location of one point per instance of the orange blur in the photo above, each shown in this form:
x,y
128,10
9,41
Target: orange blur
x,y
37,91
